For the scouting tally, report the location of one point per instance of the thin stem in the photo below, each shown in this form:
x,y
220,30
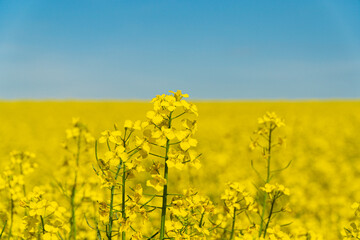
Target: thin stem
x,y
112,193
268,150
201,219
11,216
3,229
153,154
145,204
23,187
156,144
73,191
42,224
73,214
269,156
164,198
22,173
128,137
78,150
233,225
178,115
152,236
270,214
123,197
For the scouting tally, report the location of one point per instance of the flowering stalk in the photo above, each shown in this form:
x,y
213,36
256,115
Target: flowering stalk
x,y
175,142
114,170
268,123
123,192
236,200
78,141
111,206
165,192
112,195
45,219
233,225
13,182
73,191
268,151
123,185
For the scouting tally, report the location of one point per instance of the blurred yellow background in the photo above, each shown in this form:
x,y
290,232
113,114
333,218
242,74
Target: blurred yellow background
x,y
322,141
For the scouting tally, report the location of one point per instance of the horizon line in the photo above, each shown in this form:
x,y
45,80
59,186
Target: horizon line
x,y
194,100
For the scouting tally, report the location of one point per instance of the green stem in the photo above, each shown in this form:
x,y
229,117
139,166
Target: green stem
x,y
22,173
178,115
202,219
270,214
23,187
165,190
123,198
112,191
73,191
3,229
73,214
42,224
11,216
269,156
233,225
263,214
267,181
109,232
78,150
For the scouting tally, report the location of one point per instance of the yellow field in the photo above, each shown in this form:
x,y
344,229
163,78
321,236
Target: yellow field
x,y
322,143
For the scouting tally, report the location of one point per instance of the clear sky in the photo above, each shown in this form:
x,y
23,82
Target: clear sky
x,y
248,49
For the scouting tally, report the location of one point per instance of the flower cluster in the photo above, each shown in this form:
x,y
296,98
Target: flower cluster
x,y
45,218
275,191
165,140
269,194
12,184
236,198
12,179
74,177
263,135
188,216
175,138
121,160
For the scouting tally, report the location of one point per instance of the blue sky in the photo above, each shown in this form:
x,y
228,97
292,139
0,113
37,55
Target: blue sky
x,y
249,49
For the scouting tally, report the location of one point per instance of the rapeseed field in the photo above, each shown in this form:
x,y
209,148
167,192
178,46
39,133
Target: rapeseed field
x,y
177,169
